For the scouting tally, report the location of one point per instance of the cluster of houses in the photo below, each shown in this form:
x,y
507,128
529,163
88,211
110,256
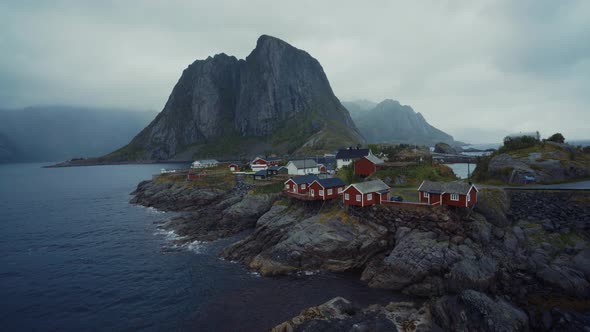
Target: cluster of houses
x,y
305,184
312,188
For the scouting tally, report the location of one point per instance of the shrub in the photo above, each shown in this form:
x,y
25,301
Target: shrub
x,y
557,138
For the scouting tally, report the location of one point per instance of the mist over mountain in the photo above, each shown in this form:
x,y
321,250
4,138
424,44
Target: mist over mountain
x,y
54,133
391,122
277,100
358,107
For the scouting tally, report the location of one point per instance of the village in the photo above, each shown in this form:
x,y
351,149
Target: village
x,y
352,175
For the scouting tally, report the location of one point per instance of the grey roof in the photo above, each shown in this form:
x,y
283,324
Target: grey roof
x,y
307,163
455,187
374,159
371,186
352,153
261,172
331,182
304,179
274,168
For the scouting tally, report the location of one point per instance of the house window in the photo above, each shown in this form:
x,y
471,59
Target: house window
x,y
358,198
329,191
369,197
286,186
321,193
468,198
454,197
425,195
340,190
346,197
312,192
303,187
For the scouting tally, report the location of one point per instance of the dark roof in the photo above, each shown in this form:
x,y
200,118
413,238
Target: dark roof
x,y
304,179
273,159
455,187
371,186
274,168
261,172
331,182
352,153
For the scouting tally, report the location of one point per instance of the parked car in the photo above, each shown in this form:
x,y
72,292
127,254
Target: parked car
x,y
394,198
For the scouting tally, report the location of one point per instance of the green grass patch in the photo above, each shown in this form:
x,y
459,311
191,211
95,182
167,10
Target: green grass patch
x,y
271,188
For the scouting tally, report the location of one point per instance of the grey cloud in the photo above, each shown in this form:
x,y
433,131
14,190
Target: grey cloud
x,y
501,66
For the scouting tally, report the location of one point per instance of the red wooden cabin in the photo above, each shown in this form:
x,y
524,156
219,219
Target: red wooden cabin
x,y
261,163
299,184
366,193
234,167
367,165
456,193
323,189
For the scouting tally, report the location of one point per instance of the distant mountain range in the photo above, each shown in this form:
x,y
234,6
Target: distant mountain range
x,y
391,122
56,133
277,100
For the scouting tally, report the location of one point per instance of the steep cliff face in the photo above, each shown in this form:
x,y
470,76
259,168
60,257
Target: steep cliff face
x,y
391,122
277,99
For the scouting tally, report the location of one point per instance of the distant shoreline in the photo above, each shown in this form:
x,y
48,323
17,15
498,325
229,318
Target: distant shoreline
x,y
81,163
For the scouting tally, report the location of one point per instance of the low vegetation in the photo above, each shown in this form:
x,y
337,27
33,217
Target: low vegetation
x,y
414,175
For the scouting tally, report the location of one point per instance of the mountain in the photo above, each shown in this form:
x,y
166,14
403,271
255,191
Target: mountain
x,y
358,107
277,100
391,122
51,133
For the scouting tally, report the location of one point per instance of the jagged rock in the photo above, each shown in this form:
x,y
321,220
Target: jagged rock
x,y
416,256
222,99
472,274
475,311
320,242
340,314
566,279
493,204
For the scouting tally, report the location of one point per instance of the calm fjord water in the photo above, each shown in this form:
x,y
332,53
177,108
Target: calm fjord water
x,y
74,255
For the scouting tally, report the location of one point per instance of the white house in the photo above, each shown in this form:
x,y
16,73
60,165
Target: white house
x,y
302,167
204,163
347,156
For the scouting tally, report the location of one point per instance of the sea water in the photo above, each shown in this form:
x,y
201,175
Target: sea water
x,y
75,255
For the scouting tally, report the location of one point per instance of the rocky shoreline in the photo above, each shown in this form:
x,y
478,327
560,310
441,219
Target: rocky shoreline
x,y
519,261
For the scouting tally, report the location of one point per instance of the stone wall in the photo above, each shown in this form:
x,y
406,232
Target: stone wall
x,y
554,209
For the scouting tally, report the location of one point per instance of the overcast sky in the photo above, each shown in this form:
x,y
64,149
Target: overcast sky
x,y
475,69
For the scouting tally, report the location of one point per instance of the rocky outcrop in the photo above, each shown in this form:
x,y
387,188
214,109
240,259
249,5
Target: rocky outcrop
x,y
494,205
391,122
209,212
475,311
445,148
550,162
278,98
293,239
339,314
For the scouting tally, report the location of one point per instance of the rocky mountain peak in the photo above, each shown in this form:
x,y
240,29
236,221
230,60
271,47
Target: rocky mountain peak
x,y
277,99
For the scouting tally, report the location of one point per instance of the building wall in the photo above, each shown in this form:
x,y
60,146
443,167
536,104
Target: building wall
x,y
316,188
352,199
352,192
343,162
364,167
446,199
292,170
473,199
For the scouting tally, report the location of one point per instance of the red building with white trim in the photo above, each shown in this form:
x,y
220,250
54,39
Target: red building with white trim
x,y
299,185
324,189
367,165
456,193
366,193
261,163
